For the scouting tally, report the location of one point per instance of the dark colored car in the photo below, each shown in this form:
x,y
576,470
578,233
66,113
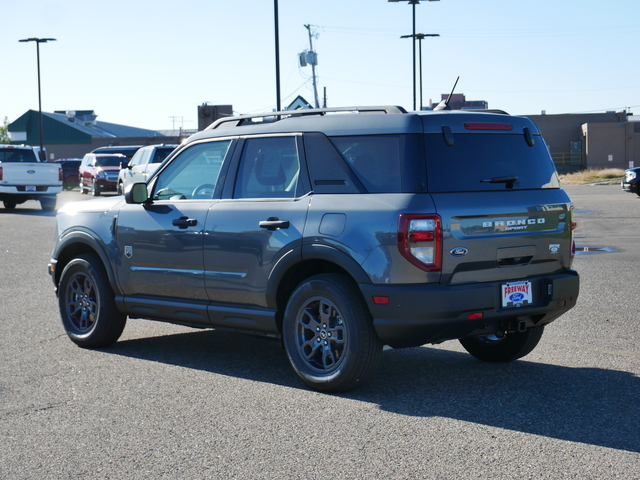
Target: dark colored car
x,y
631,180
338,231
70,172
99,172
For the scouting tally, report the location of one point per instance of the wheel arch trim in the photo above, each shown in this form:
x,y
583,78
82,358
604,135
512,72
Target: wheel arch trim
x,y
308,253
78,240
342,259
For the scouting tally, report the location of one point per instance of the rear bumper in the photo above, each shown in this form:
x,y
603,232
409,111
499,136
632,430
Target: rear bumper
x,y
32,191
432,313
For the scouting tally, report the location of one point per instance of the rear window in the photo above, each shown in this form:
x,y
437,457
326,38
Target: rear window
x,y
15,155
481,162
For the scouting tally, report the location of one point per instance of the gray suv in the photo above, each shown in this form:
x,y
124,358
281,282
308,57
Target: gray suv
x,y
337,231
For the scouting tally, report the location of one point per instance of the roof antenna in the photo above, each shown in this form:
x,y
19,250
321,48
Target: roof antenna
x,y
444,104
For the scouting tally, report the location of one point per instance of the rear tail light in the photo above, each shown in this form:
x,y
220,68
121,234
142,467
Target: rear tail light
x,y
0,173
420,241
60,174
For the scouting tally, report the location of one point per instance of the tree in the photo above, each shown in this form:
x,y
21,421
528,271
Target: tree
x,y
4,131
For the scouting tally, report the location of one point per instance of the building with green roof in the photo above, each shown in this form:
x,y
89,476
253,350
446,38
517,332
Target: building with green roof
x,y
72,133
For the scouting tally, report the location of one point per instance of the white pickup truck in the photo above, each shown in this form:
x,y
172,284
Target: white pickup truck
x,y
23,177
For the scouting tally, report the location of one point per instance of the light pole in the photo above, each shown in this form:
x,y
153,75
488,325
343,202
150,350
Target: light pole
x,y
420,37
413,3
38,42
276,27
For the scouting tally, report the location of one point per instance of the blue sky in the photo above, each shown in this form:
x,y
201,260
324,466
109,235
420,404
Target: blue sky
x,y
150,64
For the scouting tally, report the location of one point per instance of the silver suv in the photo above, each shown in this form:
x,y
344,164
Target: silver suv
x,y
338,231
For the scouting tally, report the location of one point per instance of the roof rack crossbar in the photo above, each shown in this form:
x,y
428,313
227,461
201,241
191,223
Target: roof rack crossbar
x,y
275,116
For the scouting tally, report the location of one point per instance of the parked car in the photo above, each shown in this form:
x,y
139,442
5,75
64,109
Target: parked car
x,y
99,172
143,164
70,172
24,177
126,150
631,180
338,231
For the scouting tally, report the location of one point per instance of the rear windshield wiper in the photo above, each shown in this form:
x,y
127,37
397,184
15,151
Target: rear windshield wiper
x,y
509,180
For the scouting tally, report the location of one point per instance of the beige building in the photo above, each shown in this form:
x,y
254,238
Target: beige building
x,y
591,140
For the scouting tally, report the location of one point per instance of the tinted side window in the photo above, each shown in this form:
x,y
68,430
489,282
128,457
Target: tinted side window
x,y
160,154
269,168
328,170
477,162
193,174
375,159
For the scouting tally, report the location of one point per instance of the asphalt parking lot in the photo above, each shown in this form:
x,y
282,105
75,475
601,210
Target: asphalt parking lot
x,y
177,403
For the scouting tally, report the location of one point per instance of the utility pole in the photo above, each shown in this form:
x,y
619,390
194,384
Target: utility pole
x,y
173,119
313,67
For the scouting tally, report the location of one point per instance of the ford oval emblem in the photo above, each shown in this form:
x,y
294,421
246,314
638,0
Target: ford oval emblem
x,y
459,252
31,171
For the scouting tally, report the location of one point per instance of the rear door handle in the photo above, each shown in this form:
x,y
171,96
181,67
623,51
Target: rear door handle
x,y
185,222
274,223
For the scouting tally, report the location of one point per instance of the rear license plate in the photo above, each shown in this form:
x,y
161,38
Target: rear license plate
x,y
516,294
30,188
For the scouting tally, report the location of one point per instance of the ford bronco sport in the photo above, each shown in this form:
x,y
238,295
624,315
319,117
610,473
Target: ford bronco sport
x,y
338,231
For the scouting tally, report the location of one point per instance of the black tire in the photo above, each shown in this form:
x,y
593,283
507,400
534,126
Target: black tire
x,y
87,305
48,204
120,190
328,334
82,189
95,191
9,205
505,347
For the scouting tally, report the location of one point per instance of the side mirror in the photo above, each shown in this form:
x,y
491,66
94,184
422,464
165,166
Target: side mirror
x,y
136,193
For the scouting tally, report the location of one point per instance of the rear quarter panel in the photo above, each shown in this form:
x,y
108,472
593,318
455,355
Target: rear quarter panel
x,y
365,227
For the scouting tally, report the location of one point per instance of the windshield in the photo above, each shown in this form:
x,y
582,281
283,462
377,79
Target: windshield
x,y
110,161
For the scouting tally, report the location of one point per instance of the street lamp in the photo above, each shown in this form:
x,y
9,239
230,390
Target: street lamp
x,y
413,3
420,37
38,42
277,28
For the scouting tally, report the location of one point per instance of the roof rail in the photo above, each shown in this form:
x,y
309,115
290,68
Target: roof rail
x,y
271,117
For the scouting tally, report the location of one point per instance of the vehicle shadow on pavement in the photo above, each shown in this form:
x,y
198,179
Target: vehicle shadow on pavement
x,y
32,212
226,353
588,405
